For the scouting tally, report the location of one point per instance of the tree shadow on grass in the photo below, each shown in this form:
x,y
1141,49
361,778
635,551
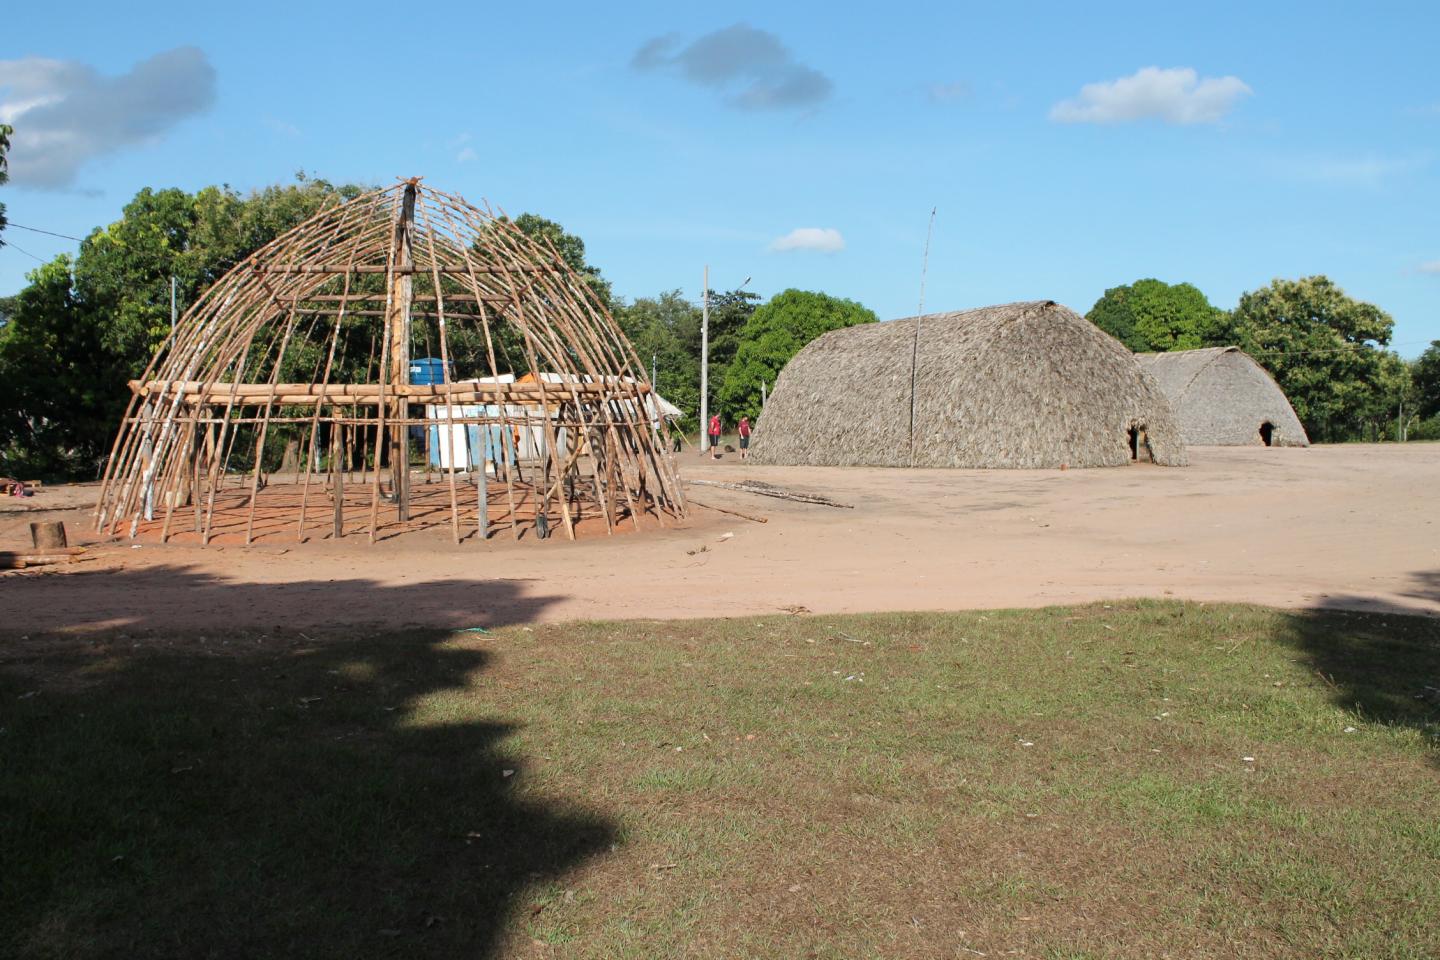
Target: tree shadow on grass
x,y
1381,660
280,795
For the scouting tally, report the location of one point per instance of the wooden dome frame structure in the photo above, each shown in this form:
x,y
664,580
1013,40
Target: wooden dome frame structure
x,y
554,410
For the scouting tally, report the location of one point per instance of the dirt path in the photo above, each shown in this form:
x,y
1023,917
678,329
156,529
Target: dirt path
x,y
1351,526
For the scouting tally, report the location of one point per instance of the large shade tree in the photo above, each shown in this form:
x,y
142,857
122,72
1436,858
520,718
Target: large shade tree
x,y
1151,316
775,333
665,331
1426,377
82,327
1325,349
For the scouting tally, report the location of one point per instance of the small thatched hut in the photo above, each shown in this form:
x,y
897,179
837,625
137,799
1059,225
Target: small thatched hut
x,y
1028,385
1222,397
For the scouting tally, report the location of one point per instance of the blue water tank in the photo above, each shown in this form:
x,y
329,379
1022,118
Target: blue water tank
x,y
427,371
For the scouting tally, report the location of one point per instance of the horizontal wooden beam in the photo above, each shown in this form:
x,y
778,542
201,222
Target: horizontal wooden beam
x,y
360,297
195,391
448,269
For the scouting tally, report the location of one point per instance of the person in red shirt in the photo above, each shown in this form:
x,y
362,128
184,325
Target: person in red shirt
x,y
744,431
715,437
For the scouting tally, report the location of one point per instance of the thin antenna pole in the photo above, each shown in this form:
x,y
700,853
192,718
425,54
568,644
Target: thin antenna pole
x,y
915,345
172,304
705,362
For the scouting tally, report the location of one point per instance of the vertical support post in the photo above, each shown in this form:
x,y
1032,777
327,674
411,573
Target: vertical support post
x,y
397,330
337,471
705,362
482,513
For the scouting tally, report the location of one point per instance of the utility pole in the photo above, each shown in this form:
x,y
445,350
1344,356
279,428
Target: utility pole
x,y
915,345
705,362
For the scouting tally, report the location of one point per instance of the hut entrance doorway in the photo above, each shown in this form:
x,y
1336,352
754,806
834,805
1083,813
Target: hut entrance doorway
x,y
1139,445
1267,432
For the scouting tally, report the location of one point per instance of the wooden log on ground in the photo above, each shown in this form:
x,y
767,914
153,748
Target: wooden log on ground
x,y
19,561
48,534
765,490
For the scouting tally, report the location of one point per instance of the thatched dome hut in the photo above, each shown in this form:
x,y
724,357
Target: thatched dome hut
x,y
1022,385
1224,398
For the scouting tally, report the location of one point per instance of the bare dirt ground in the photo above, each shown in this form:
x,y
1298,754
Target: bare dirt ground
x,y
1354,526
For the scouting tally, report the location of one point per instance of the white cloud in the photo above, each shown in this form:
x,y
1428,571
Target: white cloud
x,y
66,114
1430,266
1369,170
282,127
1174,95
466,155
821,239
950,92
758,71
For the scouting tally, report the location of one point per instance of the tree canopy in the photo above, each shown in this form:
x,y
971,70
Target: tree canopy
x,y
83,327
776,332
1426,377
1324,349
571,249
1153,316
665,332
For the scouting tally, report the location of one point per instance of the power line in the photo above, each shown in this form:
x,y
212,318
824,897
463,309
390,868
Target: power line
x,y
48,233
12,244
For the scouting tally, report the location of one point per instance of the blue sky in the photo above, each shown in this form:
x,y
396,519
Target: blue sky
x,y
1270,140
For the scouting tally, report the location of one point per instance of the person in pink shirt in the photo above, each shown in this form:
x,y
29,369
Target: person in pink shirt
x,y
715,437
744,431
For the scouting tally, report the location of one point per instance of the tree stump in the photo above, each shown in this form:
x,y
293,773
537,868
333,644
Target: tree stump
x,y
48,535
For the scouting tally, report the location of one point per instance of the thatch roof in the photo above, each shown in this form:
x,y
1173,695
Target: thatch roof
x,y
1031,385
1222,397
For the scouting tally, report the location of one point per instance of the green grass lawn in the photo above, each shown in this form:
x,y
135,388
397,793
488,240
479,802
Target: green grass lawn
x,y
1133,780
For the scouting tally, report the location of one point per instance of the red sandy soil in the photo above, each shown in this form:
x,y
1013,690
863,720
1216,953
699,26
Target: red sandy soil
x,y
1353,527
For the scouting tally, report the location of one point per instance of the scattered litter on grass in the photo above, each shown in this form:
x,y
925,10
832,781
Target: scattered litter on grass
x,y
1349,729
475,630
1027,743
506,774
1247,759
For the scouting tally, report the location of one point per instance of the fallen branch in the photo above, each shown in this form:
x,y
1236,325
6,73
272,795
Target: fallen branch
x,y
766,490
733,513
